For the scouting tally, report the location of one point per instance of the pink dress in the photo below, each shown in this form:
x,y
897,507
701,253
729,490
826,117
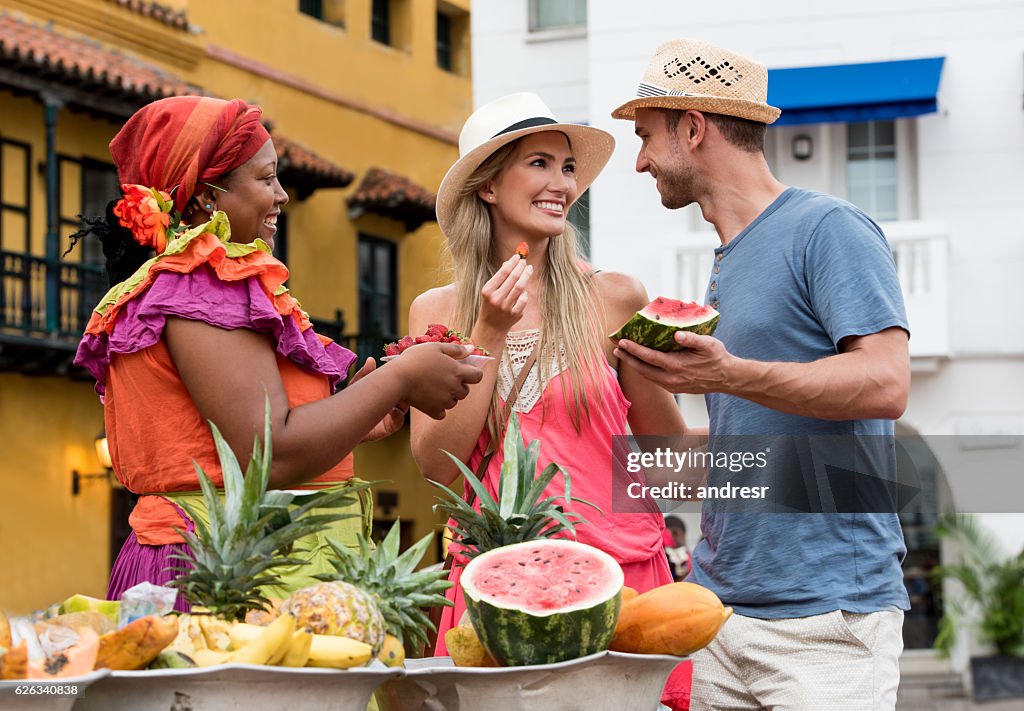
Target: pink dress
x,y
635,540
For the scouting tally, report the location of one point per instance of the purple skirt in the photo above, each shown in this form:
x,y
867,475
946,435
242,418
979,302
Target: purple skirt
x,y
139,563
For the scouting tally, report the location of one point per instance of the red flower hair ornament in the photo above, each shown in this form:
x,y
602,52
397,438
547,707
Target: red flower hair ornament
x,y
146,212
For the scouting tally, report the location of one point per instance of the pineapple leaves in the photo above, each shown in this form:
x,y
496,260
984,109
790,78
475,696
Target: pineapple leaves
x,y
391,578
245,535
522,512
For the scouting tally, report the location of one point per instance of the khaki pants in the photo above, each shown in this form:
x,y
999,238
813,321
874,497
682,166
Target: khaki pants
x,y
839,661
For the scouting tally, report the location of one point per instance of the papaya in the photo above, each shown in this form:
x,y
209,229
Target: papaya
x,y
137,644
76,660
5,631
14,662
628,594
676,619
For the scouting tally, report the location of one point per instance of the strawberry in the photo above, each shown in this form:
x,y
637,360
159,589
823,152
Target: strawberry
x,y
391,349
437,329
405,342
523,250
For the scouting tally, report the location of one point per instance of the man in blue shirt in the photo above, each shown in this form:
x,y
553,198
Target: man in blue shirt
x,y
812,341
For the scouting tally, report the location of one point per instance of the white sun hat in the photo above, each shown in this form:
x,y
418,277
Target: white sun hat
x,y
506,119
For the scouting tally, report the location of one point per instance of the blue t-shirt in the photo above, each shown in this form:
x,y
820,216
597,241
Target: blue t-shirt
x,y
808,272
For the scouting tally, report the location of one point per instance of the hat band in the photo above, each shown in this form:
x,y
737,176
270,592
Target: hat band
x,y
526,123
646,91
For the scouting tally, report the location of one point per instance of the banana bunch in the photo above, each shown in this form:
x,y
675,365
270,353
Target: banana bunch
x,y
208,641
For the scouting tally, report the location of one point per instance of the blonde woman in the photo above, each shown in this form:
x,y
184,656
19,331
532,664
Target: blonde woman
x,y
518,173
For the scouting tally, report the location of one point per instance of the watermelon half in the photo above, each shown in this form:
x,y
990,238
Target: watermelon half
x,y
544,601
655,325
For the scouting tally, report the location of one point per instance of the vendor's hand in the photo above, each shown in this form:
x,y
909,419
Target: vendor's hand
x,y
700,369
503,298
436,376
393,421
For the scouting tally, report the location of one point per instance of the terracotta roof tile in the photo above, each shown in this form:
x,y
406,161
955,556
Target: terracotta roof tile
x,y
299,166
81,62
177,19
392,195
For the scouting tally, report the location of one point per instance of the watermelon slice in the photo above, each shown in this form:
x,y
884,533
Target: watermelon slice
x,y
543,601
655,325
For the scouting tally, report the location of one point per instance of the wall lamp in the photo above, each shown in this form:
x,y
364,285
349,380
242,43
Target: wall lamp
x,y
803,147
103,454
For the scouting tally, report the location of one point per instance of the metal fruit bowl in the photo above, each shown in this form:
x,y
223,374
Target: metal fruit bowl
x,y
236,686
606,681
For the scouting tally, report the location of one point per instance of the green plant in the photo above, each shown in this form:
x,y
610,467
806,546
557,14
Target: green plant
x,y
250,531
521,511
400,591
993,585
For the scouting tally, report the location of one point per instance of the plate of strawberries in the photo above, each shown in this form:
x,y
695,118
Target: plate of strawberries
x,y
437,333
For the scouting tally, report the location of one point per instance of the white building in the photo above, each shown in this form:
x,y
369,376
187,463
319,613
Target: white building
x,y
940,171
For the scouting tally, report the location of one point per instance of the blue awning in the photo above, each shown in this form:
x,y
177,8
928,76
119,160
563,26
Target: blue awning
x,y
855,92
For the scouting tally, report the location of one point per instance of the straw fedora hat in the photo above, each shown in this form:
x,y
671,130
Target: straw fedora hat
x,y
504,120
693,74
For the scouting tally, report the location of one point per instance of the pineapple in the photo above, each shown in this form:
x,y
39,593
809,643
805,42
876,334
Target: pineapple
x,y
338,608
399,591
249,533
519,514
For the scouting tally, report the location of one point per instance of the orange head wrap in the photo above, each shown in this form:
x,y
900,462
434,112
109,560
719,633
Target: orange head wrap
x,y
177,143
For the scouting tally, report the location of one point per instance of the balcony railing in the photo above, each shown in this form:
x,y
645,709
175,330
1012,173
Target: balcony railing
x,y
921,251
364,345
36,339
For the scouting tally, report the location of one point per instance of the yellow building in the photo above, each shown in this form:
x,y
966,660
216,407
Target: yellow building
x,y
364,97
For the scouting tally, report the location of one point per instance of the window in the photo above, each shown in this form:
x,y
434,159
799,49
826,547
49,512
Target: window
x,y
380,21
15,194
313,8
452,41
378,286
444,41
557,15
329,11
579,216
281,238
871,169
86,187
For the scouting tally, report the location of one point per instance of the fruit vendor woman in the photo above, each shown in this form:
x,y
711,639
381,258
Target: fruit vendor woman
x,y
199,328
544,313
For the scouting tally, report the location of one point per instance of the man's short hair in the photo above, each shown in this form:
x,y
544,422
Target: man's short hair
x,y
743,133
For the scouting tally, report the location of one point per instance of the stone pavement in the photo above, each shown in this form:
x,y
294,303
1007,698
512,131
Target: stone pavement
x,y
930,684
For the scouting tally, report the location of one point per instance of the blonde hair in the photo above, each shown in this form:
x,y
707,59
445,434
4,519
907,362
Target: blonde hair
x,y
570,323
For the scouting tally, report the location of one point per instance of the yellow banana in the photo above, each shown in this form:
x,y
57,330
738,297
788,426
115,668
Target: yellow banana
x,y
195,632
183,642
215,632
270,646
241,633
337,652
298,650
210,657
